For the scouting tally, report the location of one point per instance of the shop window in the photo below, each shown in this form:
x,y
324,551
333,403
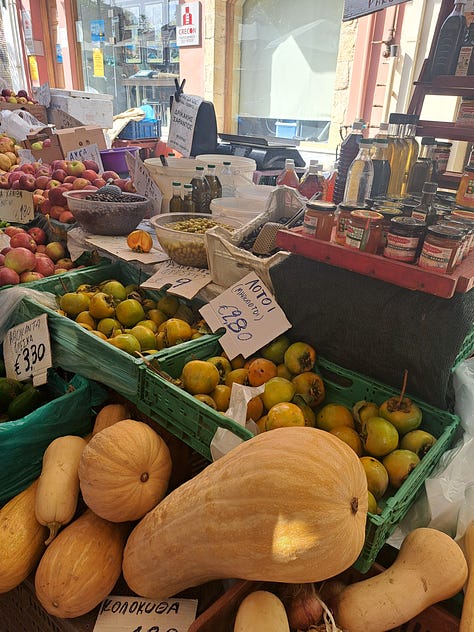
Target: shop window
x,y
286,68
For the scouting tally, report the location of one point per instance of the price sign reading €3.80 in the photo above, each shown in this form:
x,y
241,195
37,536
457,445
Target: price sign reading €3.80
x,y
27,351
250,315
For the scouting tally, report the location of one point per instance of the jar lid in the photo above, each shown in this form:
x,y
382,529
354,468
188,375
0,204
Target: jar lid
x,y
390,212
453,223
188,186
369,216
321,206
428,140
463,215
446,232
443,144
365,141
349,207
409,222
176,184
469,169
199,168
429,187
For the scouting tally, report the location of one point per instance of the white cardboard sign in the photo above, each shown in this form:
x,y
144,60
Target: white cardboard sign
x,y
89,152
27,351
250,315
184,281
144,183
16,206
42,94
134,614
182,123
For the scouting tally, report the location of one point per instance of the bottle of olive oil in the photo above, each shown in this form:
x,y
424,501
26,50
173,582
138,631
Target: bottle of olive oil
x,y
411,121
399,155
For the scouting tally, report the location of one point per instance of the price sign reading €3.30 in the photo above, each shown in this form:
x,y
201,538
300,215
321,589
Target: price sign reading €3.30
x,y
27,351
250,315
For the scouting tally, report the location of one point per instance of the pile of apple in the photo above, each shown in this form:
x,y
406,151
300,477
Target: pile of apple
x,y
49,182
22,97
29,257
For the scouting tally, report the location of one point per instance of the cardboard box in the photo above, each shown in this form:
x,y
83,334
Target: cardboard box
x,y
47,154
87,107
36,110
62,120
76,137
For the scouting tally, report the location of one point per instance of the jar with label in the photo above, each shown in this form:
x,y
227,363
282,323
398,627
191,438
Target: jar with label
x,y
467,218
458,225
465,192
441,156
404,238
388,214
319,220
343,214
440,249
363,230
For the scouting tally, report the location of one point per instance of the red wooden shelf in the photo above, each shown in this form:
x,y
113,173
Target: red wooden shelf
x,y
449,85
402,274
450,131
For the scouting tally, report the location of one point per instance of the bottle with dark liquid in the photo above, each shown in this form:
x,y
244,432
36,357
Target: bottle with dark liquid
x,y
311,182
349,150
450,39
214,182
201,192
176,202
381,167
424,168
425,211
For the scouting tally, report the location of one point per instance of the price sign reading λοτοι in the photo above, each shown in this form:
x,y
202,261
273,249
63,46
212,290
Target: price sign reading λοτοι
x,y
133,614
184,281
27,351
16,206
250,315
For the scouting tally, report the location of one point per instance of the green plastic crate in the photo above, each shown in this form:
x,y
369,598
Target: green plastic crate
x,y
346,387
176,410
77,350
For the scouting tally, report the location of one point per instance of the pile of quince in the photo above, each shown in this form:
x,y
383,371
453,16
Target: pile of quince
x,y
8,153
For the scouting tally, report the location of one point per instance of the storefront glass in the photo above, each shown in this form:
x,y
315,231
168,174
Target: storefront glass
x,y
288,56
128,49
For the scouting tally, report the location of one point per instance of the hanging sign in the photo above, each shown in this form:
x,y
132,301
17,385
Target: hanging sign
x,y
16,206
98,62
250,315
357,8
188,31
89,152
184,281
43,94
97,30
27,351
182,122
144,183
33,64
134,614
27,31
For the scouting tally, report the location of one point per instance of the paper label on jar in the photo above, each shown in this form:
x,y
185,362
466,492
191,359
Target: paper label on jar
x,y
310,225
420,216
341,228
435,257
354,236
468,195
401,248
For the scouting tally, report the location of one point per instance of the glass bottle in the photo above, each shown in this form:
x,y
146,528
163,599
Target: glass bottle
x,y
381,167
288,176
311,182
450,39
201,191
399,154
360,175
425,211
176,202
214,182
188,202
329,183
465,192
411,121
349,150
227,180
465,64
423,169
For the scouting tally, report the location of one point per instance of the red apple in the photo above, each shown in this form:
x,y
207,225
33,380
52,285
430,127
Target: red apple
x,y
53,184
8,276
15,185
67,186
41,249
23,240
47,142
56,211
27,277
13,230
92,165
28,168
4,251
110,174
38,200
59,164
22,93
42,181
59,174
70,179
99,182
120,182
43,171
2,259
20,260
46,207
6,92
44,264
80,183
14,175
56,196
90,187
89,174
27,182
67,217
129,186
55,250
74,167
38,235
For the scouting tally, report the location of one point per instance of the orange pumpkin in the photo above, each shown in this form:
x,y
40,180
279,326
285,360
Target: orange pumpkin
x,y
140,241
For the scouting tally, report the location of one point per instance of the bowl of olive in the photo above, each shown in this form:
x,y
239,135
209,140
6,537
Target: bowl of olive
x,y
182,235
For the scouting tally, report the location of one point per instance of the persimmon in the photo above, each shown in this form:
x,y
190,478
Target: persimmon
x,y
255,408
140,241
200,377
260,371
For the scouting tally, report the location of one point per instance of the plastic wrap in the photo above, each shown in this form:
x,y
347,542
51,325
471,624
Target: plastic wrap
x,y
12,297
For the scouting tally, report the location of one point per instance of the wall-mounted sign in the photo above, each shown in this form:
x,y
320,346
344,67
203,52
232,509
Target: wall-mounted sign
x,y
188,30
97,30
357,8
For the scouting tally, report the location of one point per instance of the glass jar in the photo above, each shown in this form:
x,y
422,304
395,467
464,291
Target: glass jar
x,y
343,214
458,225
363,230
319,220
440,248
388,214
467,218
403,239
465,192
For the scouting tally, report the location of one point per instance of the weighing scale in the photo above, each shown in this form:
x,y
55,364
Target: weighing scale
x,y
268,154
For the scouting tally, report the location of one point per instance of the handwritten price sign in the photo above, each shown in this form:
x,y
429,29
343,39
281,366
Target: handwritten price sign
x,y
89,152
249,313
133,614
27,351
183,280
144,183
16,206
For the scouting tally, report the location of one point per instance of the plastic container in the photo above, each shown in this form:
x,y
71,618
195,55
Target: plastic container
x,y
242,168
239,208
178,169
141,129
186,248
107,218
114,159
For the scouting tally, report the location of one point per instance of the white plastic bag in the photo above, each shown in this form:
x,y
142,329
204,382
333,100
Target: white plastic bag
x,y
12,296
18,123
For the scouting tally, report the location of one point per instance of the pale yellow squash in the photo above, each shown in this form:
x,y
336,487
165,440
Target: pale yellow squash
x,y
288,505
261,611
124,471
80,566
467,615
21,539
58,485
108,416
430,567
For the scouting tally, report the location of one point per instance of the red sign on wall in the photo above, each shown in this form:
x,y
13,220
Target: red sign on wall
x,y
188,30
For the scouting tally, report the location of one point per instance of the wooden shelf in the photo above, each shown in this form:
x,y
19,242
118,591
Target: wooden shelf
x,y
402,274
449,85
440,129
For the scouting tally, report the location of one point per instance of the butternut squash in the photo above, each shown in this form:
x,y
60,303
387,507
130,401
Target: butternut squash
x,y
467,615
430,567
288,505
58,485
108,416
261,611
124,471
80,566
21,539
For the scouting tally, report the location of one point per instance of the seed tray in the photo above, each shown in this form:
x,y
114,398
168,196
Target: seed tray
x,y
346,387
77,350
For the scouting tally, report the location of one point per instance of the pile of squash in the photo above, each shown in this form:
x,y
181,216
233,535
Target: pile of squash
x,y
286,506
